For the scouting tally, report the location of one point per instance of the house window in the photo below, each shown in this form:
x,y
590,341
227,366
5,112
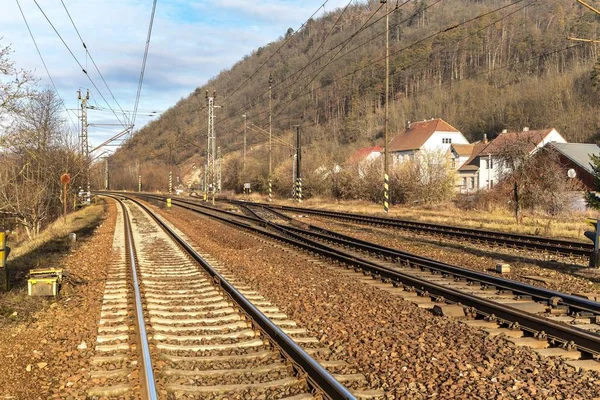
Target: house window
x,y
472,182
487,164
464,182
454,163
491,183
447,140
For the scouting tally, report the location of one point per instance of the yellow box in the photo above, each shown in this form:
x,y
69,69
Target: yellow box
x,y
43,286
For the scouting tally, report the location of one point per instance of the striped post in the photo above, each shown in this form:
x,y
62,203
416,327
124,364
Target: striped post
x,y
270,191
170,182
299,189
386,193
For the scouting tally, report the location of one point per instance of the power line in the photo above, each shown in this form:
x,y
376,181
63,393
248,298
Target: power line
x,y
341,44
362,28
46,67
273,55
92,58
77,61
450,28
141,81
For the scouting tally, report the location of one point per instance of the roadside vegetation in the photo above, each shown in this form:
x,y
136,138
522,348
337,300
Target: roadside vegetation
x,y
36,147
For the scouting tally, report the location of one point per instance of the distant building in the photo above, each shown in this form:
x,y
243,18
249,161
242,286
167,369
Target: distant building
x,y
363,157
482,169
576,156
430,135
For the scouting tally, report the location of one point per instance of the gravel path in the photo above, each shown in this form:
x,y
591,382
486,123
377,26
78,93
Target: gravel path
x,y
39,358
399,347
551,274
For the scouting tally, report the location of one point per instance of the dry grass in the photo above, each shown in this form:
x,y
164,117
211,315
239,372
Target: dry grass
x,y
569,226
75,221
43,251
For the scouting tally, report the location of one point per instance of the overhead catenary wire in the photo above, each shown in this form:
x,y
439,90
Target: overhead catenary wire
x,y
87,50
46,68
143,70
77,61
227,97
343,43
448,29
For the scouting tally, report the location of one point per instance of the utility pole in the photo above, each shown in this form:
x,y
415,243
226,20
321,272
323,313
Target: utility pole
x,y
83,140
219,163
270,139
106,181
386,177
244,159
171,167
211,145
298,165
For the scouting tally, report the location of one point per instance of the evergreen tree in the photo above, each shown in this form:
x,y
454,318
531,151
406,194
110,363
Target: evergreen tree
x,y
592,200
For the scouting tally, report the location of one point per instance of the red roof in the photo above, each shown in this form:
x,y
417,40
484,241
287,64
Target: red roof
x,y
417,134
363,153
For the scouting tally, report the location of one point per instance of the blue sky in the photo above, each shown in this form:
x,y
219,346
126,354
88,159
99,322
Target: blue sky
x,y
191,42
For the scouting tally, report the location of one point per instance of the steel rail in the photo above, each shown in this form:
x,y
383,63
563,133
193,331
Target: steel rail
x,y
317,376
576,303
516,240
148,374
561,333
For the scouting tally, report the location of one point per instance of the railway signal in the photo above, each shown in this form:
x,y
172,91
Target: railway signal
x,y
593,236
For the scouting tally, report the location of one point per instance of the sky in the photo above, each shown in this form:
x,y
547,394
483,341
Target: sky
x,y
192,41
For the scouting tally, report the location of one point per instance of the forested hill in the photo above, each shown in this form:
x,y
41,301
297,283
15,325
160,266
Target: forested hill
x,y
482,65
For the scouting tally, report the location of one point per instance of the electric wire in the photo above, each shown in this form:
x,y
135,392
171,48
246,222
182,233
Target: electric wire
x,y
143,70
273,55
343,43
77,61
46,68
448,29
92,58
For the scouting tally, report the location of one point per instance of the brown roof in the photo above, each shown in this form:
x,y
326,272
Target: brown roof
x,y
529,138
361,154
464,150
470,164
417,134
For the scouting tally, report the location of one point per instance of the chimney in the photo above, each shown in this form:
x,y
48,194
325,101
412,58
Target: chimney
x,y
526,129
504,130
485,138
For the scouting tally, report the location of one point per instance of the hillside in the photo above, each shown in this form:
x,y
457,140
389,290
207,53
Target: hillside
x,y
507,69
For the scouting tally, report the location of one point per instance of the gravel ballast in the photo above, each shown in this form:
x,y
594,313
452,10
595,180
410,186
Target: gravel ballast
x,y
48,355
401,348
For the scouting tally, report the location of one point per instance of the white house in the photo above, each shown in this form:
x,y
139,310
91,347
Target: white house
x,y
435,135
364,157
482,170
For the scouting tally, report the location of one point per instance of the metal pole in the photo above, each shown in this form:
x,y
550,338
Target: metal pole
x,y
270,139
106,183
386,178
298,165
244,162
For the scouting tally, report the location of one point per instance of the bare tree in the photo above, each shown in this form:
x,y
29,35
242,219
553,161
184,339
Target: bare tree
x,y
34,153
14,83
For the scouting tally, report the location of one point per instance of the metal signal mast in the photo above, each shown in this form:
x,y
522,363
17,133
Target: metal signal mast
x,y
83,140
211,146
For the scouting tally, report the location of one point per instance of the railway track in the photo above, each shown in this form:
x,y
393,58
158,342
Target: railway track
x,y
556,246
198,331
551,322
